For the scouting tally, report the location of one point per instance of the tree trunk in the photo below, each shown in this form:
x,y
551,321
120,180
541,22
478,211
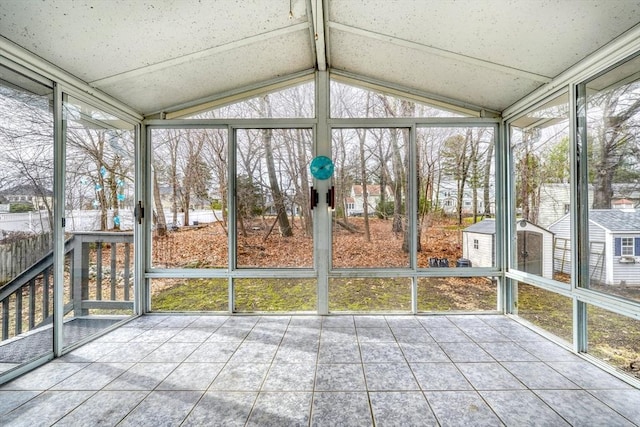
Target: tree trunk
x,y
276,193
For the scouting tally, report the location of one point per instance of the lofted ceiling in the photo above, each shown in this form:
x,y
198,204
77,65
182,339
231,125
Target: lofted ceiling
x,y
156,55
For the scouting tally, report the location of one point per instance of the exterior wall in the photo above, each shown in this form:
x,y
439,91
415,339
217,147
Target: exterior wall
x,y
483,256
625,273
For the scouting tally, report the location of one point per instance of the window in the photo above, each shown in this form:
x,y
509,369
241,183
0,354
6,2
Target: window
x,y
627,246
476,244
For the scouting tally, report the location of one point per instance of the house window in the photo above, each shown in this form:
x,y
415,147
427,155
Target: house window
x,y
627,246
476,244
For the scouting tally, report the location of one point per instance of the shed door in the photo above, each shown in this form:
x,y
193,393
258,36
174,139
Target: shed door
x,y
530,252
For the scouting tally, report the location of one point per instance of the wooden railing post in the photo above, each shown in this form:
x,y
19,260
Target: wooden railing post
x,y
80,275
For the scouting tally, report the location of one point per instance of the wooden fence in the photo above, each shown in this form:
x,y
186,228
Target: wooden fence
x,y
17,256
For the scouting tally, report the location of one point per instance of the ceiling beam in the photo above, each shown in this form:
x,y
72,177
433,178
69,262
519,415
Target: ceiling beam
x,y
440,52
319,39
200,54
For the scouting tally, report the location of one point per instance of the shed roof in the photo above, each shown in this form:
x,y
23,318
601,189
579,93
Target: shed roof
x,y
488,226
155,55
616,220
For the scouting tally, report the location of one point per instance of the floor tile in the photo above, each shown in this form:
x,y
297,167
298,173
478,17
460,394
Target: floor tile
x,y
507,351
439,376
489,376
448,335
45,409
226,408
281,409
229,333
588,376
162,408
290,377
485,334
10,399
241,377
625,402
126,352
370,322
303,352
197,335
423,352
466,352
461,408
340,377
389,377
157,334
105,408
538,375
211,352
338,321
93,377
580,408
522,408
44,377
435,322
548,351
339,353
375,335
142,376
404,408
208,323
171,352
341,409
412,335
191,376
381,352
254,352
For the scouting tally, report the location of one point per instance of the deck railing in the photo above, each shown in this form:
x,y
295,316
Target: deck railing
x,y
97,279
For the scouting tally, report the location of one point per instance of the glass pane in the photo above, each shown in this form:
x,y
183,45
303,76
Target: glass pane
x,y
614,339
456,178
370,294
370,224
293,102
612,111
541,158
99,205
457,294
273,183
190,188
279,295
26,218
547,310
189,295
348,101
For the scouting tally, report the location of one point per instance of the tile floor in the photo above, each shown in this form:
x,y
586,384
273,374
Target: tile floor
x,y
308,370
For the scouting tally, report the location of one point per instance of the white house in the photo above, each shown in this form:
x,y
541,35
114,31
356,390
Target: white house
x,y
355,200
614,243
534,243
447,196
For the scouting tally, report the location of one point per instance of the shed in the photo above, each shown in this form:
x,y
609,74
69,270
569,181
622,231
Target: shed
x,y
535,246
614,246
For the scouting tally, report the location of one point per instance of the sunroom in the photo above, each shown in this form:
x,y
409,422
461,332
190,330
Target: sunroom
x,y
253,212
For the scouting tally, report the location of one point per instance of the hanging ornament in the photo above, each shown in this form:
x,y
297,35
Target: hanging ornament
x,y
95,204
103,171
121,197
116,221
119,182
98,187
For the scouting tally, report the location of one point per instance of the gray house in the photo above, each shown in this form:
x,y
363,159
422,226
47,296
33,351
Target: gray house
x,y
614,243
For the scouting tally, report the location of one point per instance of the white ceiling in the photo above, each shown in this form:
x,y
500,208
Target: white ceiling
x,y
156,54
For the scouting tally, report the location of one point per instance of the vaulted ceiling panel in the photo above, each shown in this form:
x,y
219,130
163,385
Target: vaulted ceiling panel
x,y
428,72
154,54
521,34
175,83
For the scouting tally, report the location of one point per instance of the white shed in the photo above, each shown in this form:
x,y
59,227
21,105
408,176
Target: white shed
x,y
535,246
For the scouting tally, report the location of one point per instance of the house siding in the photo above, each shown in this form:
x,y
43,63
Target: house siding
x,y
483,256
